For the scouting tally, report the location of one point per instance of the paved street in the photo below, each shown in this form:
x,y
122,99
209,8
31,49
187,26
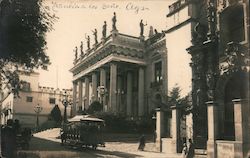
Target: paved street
x,y
45,145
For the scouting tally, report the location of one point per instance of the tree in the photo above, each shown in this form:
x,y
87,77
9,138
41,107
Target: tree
x,y
94,107
23,27
55,114
175,99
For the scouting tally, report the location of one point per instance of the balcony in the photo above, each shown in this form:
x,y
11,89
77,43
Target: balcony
x,y
178,5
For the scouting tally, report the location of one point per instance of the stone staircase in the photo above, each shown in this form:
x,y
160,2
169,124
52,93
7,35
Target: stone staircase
x,y
200,153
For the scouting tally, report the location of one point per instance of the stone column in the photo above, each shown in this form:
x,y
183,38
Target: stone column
x,y
119,93
241,125
94,87
175,129
212,113
86,97
159,129
79,94
141,92
113,88
103,83
129,94
73,110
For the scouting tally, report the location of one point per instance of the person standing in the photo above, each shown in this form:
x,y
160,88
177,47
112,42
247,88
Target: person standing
x,y
9,138
190,153
184,150
142,143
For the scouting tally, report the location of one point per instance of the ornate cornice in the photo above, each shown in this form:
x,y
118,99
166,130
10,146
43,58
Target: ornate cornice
x,y
110,58
159,43
124,45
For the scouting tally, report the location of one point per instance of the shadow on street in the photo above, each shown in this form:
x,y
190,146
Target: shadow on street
x,y
42,148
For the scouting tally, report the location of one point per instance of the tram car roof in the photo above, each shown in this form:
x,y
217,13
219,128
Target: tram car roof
x,y
79,118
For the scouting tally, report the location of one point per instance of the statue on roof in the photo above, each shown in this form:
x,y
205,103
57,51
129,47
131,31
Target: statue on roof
x,y
88,41
114,22
76,53
81,48
95,36
156,32
104,29
142,27
151,31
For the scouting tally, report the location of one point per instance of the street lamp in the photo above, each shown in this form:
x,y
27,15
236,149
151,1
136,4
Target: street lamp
x,y
119,94
65,102
38,109
102,91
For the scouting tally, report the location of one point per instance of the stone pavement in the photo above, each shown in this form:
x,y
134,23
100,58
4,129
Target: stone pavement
x,y
46,145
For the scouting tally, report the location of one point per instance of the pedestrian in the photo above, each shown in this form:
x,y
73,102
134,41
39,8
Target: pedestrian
x,y
190,153
184,150
9,138
142,142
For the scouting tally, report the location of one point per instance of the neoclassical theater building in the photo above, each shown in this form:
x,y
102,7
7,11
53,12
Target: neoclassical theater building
x,y
127,74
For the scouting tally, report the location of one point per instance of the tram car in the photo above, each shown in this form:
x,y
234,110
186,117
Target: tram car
x,y
83,131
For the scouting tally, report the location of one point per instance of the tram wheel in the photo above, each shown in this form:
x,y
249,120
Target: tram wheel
x,y
94,147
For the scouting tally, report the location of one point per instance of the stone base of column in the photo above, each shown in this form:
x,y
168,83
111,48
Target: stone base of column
x,y
114,33
238,150
158,145
174,148
211,149
169,146
246,149
241,149
103,40
142,38
95,45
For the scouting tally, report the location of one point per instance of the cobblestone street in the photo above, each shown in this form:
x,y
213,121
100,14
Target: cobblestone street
x,y
45,145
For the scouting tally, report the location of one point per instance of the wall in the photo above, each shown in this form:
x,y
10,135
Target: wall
x,y
179,71
25,110
32,78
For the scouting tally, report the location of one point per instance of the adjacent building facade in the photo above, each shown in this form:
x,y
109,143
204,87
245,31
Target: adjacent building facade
x,y
32,95
219,51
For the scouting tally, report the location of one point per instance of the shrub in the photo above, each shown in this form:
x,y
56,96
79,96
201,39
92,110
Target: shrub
x,y
55,115
94,107
120,124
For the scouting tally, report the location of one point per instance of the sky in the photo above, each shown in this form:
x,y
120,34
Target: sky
x,y
78,18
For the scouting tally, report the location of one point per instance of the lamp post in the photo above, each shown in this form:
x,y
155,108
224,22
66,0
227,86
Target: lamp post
x,y
119,93
65,102
38,109
102,91
154,126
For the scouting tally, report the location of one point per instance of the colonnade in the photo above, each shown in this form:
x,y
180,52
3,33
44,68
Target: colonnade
x,y
118,84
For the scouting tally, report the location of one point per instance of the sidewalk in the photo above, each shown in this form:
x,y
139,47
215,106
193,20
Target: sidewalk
x,y
129,148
